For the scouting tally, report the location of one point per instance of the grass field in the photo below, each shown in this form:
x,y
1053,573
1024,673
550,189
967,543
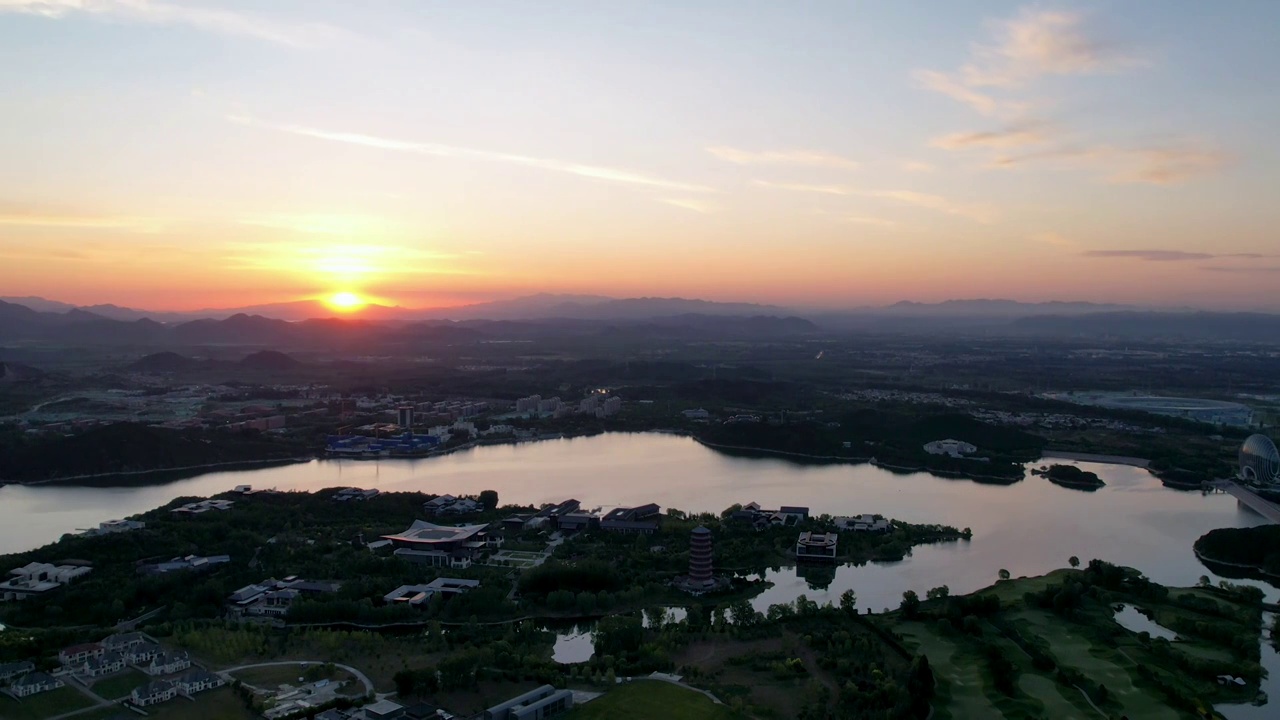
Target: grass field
x,y
118,686
44,705
269,678
652,700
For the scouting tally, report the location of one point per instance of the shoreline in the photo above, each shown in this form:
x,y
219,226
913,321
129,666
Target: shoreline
x,y
258,464
850,460
1098,458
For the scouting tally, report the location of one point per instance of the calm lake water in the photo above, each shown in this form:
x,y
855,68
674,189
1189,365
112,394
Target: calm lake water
x,y
1028,528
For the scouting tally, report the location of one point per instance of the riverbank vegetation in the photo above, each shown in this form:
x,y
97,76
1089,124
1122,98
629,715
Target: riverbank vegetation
x,y
1255,548
1050,647
125,448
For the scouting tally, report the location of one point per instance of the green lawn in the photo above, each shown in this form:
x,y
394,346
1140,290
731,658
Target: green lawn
x,y
652,700
118,686
44,705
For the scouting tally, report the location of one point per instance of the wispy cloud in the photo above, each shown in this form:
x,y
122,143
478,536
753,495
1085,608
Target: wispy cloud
x,y
1171,255
982,103
1015,135
977,213
781,157
439,150
1040,42
216,20
82,222
692,204
1157,165
1055,239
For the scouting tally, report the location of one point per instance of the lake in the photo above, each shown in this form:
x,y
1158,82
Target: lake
x,y
1028,528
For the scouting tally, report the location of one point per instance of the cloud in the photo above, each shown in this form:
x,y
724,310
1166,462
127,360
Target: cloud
x,y
1038,43
82,222
216,20
691,204
438,150
1176,256
937,203
1054,239
1151,255
1015,135
781,157
915,166
1150,165
946,85
977,213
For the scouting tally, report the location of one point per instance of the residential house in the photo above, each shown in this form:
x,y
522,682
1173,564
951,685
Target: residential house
x,y
418,595
578,521
79,654
167,663
797,514
355,494
36,578
34,683
121,642
142,654
203,506
544,702
12,671
105,664
463,506
178,564
437,504
197,681
153,693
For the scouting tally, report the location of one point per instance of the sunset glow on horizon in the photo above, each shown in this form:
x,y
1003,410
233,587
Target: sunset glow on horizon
x,y
432,155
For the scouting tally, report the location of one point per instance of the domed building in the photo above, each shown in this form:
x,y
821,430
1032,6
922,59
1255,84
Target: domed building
x,y
1259,460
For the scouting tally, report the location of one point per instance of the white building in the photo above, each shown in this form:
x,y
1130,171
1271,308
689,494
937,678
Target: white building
x,y
528,404
168,663
954,448
612,406
34,684
197,681
36,578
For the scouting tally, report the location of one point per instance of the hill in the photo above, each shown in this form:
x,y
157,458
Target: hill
x,y
270,361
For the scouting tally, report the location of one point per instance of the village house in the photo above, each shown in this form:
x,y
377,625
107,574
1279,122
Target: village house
x,y
105,664
197,681
12,671
167,663
77,655
34,684
153,693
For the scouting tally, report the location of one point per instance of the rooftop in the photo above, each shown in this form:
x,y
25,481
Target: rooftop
x,y
425,533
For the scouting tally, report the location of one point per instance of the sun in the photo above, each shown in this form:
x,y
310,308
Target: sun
x,y
345,302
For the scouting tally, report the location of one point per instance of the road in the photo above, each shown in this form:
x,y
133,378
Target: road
x,y
368,684
1251,500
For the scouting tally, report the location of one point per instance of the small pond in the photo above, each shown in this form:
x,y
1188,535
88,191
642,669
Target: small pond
x,y
1135,620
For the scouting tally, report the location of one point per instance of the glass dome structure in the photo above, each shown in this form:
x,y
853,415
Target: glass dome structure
x,y
1259,460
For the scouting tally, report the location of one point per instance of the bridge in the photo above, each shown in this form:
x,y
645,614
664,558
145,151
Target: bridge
x,y
1250,499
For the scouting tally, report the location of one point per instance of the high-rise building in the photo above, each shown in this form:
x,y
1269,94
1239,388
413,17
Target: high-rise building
x,y
700,555
404,416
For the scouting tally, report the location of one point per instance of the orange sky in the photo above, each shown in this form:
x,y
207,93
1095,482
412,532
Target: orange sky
x,y
845,157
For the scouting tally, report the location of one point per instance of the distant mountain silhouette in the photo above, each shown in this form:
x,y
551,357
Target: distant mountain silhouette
x,y
596,307
270,361
15,373
996,307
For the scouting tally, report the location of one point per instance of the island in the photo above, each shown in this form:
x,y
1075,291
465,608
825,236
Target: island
x,y
1070,476
1241,552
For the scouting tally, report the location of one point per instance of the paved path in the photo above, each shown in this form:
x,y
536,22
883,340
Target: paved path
x,y
74,682
368,684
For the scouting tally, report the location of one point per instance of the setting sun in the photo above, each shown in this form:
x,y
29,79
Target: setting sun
x,y
345,302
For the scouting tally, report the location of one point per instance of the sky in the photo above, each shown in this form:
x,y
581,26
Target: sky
x,y
187,154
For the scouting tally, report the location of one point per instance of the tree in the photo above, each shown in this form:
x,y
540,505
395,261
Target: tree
x,y
489,499
1004,574
938,593
1075,561
910,604
849,602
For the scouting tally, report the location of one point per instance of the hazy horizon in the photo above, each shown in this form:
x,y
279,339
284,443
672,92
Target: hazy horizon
x,y
181,156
